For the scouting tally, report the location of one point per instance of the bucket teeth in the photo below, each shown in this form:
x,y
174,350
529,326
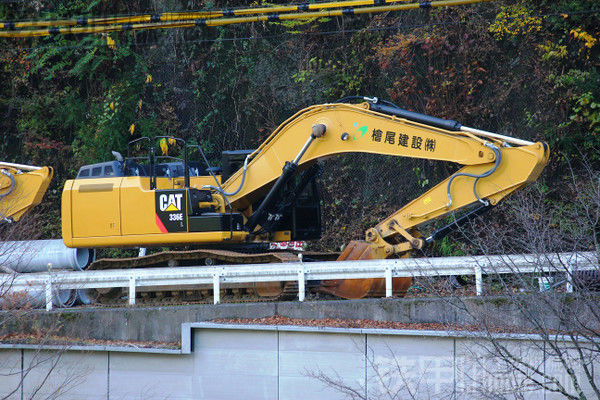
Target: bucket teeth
x,y
359,288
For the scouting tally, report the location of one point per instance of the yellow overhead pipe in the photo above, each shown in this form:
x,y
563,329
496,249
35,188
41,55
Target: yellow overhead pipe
x,y
179,16
235,20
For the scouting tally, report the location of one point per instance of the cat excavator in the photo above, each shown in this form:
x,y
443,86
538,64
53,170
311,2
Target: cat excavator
x,y
271,193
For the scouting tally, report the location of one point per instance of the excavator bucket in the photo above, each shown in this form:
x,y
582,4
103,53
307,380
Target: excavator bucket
x,y
269,289
359,288
20,191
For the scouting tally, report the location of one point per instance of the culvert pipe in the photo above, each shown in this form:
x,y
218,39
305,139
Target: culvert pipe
x,y
36,255
35,298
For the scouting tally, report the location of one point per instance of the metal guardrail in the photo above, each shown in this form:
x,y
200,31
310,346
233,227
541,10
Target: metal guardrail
x,y
301,272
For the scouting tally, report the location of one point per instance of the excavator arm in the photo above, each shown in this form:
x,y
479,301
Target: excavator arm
x,y
493,167
21,188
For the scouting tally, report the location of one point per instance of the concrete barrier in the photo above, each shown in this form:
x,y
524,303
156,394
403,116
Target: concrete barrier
x,y
163,323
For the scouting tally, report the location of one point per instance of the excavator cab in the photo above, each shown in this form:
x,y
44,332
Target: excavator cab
x,y
146,199
160,197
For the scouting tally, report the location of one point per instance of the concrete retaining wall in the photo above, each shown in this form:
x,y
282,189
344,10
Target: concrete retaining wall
x,y
163,323
225,362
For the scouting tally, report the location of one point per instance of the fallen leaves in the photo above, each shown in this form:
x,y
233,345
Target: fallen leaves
x,y
345,323
54,340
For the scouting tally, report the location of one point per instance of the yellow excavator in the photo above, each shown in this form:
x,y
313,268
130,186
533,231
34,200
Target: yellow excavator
x,y
270,193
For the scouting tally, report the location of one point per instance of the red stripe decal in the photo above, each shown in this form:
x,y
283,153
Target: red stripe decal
x,y
160,225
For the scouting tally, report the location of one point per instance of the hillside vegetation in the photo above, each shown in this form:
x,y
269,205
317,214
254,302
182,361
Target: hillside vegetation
x,y
528,69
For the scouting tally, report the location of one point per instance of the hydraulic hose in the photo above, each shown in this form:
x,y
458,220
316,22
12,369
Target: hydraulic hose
x,y
10,190
12,185
496,151
220,189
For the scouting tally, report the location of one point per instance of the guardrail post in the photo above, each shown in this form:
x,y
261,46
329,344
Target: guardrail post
x,y
478,280
132,289
569,285
301,283
388,282
216,287
49,293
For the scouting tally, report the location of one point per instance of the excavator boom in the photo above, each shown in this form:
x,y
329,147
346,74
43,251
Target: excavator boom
x,y
493,167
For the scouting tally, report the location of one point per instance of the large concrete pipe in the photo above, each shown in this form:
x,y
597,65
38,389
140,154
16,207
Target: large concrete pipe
x,y
36,255
35,298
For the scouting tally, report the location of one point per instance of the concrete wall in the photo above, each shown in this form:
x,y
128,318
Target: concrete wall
x,y
163,323
225,362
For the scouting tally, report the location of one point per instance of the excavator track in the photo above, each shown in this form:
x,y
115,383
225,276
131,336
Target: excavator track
x,y
208,256
266,291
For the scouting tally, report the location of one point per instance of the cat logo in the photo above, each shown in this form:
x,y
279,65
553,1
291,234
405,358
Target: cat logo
x,y
170,202
171,210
